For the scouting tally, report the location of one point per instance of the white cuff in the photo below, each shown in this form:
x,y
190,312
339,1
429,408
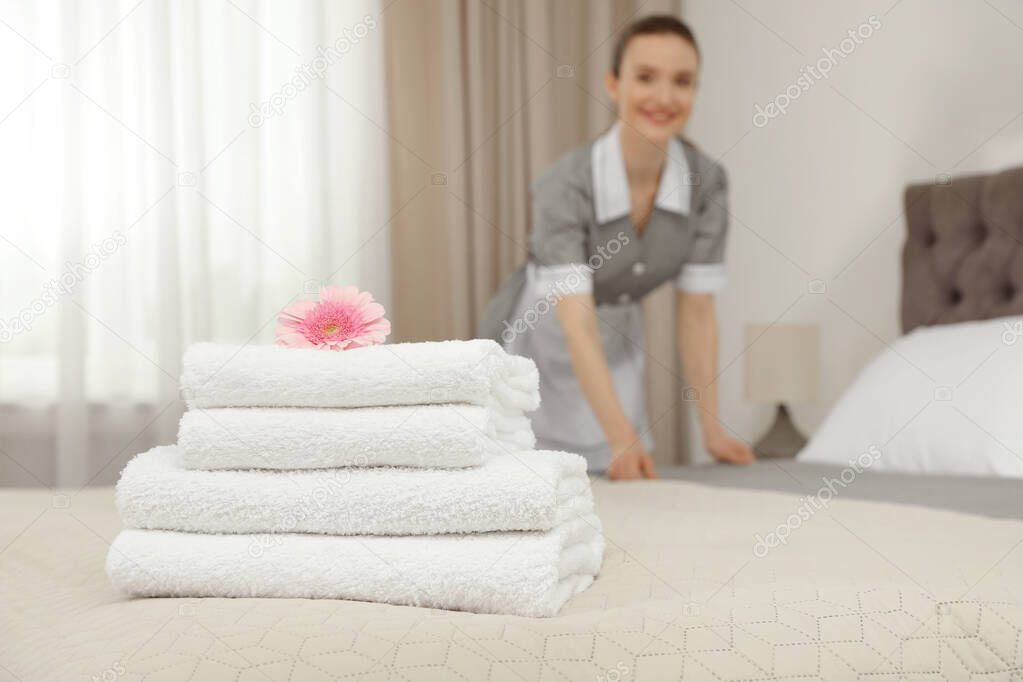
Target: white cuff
x,y
701,278
561,280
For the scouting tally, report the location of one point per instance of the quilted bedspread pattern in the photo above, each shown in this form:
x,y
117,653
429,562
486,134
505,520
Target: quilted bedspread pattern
x,y
699,583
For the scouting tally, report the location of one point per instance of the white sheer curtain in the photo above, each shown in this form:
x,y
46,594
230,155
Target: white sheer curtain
x,y
170,171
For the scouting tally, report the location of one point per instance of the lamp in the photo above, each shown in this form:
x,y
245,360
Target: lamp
x,y
781,368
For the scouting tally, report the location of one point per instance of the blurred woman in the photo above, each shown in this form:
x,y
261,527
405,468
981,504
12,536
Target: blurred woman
x,y
612,221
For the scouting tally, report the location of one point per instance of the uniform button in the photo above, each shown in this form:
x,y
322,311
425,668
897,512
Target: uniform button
x,y
638,268
624,298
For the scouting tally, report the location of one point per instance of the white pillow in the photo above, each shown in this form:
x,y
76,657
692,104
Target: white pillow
x,y
946,400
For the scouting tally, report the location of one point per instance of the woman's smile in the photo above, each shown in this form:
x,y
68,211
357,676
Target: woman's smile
x,y
659,117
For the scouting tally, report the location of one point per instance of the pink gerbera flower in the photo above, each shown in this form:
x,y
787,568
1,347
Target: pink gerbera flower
x,y
341,319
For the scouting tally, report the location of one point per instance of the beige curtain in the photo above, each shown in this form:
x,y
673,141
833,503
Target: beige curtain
x,y
483,96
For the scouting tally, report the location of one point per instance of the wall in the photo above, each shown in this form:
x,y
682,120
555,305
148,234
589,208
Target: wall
x,y
817,191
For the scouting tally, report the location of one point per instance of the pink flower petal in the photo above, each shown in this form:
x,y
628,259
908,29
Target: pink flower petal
x,y
329,293
294,340
350,295
297,310
373,311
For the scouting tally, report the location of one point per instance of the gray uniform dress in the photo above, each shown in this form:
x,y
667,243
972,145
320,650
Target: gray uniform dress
x,y
583,241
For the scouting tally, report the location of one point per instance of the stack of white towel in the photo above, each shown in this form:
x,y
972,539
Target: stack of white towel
x,y
402,474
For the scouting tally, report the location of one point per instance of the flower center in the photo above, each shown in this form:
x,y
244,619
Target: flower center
x,y
332,322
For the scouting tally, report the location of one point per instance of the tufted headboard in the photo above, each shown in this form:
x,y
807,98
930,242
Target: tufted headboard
x,y
963,256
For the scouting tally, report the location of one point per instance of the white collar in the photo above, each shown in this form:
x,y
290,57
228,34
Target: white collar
x,y
611,185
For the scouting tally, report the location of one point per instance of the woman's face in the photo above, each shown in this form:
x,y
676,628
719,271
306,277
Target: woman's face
x,y
656,85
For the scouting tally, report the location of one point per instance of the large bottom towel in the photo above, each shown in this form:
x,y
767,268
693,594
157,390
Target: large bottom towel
x,y
524,574
532,490
442,436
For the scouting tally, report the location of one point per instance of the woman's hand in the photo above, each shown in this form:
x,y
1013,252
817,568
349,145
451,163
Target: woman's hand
x,y
578,316
630,461
697,344
730,450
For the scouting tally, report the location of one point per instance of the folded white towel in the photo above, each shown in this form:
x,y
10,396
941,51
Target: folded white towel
x,y
442,436
479,372
532,490
524,574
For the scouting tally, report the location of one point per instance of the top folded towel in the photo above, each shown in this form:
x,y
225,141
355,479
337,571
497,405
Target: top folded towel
x,y
479,372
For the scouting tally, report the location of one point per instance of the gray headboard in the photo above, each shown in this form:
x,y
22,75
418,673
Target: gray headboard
x,y
963,256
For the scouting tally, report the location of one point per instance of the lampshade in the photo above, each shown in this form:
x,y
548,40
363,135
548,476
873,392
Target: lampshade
x,y
782,363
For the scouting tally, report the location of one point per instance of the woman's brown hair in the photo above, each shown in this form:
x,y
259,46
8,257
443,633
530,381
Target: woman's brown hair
x,y
655,24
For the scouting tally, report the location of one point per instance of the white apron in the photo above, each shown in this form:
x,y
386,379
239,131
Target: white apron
x,y
565,420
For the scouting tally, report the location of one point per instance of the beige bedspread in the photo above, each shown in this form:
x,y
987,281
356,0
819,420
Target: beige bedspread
x,y
860,590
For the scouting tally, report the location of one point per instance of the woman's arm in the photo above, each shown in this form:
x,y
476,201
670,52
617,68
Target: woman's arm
x,y
698,346
578,317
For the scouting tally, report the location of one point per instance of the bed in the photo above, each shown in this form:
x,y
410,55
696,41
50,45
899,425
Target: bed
x,y
860,590
985,495
714,573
